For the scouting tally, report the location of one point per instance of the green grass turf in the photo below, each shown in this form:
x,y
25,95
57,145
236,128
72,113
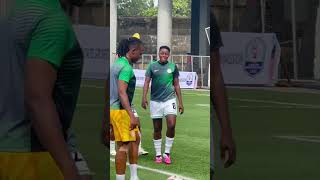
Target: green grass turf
x,y
87,125
190,153
262,157
191,148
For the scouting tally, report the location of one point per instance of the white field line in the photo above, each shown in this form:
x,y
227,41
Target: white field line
x,y
274,102
311,139
159,171
279,89
276,107
203,105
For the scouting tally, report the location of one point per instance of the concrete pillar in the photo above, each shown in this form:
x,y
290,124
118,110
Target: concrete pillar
x,y
164,28
113,30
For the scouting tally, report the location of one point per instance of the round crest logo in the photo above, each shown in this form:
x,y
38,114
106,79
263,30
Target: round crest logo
x,y
189,79
169,71
255,54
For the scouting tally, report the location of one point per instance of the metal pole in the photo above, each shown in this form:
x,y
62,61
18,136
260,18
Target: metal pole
x,y
209,75
262,7
294,37
191,63
201,72
231,15
113,29
181,62
142,62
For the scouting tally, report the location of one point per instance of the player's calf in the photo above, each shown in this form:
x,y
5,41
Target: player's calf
x,y
120,160
133,150
157,128
133,157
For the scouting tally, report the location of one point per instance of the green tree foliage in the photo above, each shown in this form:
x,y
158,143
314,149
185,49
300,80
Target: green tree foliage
x,y
181,8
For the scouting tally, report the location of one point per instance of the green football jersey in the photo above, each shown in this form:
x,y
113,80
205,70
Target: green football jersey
x,y
121,70
162,77
39,30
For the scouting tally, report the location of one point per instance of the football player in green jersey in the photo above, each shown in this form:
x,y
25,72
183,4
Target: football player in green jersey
x,y
40,78
164,78
125,126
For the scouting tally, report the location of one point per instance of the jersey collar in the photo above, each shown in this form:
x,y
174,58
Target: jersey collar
x,y
163,63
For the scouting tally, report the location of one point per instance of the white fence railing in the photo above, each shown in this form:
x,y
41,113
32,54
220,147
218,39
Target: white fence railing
x,y
188,63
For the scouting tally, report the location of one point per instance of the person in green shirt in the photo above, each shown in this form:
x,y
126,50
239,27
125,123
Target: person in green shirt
x,y
164,78
125,126
112,142
40,81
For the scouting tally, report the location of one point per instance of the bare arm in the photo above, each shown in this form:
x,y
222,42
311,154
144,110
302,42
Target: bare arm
x,y
124,99
219,93
144,102
178,92
40,79
220,101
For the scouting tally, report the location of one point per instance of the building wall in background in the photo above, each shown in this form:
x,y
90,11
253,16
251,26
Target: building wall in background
x,y
247,18
147,27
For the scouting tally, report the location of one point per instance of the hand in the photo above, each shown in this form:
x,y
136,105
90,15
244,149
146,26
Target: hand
x,y
228,149
144,103
181,108
134,122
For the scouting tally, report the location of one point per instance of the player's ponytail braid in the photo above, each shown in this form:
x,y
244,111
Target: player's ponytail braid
x,y
123,48
125,45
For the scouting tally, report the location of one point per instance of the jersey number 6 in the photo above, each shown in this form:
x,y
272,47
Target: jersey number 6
x,y
174,105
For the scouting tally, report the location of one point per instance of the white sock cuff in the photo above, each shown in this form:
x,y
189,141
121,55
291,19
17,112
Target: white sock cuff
x,y
120,177
170,139
157,140
133,165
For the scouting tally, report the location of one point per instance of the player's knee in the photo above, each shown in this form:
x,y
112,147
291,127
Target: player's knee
x,y
138,135
171,127
157,130
124,148
157,135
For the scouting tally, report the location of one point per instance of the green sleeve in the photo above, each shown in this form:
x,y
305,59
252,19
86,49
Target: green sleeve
x,y
149,71
51,39
126,73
